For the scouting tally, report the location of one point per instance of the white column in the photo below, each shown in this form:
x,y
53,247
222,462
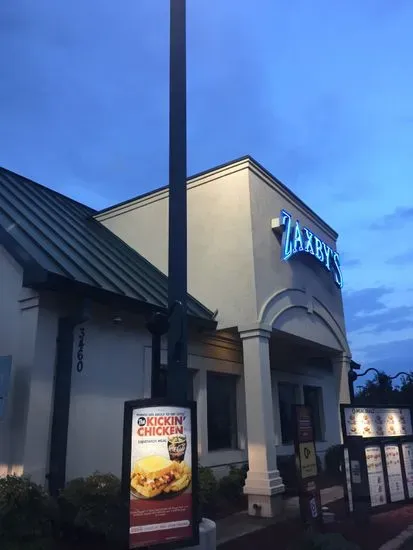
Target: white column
x,y
41,359
263,485
341,367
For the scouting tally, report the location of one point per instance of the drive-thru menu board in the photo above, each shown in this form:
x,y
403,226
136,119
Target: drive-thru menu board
x,y
380,440
306,460
407,450
378,422
394,472
348,480
376,476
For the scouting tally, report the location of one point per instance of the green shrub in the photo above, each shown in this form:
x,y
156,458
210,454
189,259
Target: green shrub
x,y
334,458
330,541
288,470
93,506
231,486
27,515
208,491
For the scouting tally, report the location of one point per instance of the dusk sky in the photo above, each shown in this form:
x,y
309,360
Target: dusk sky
x,y
319,92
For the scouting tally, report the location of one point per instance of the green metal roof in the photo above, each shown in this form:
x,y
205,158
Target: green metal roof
x,y
60,245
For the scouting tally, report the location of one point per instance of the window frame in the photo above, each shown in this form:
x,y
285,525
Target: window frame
x,y
297,390
235,424
321,437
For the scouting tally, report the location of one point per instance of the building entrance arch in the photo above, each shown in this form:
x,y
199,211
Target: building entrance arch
x,y
294,311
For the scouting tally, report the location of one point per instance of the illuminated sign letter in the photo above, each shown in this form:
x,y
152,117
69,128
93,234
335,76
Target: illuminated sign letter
x,y
300,239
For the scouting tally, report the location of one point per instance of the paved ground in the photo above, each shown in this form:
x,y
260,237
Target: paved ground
x,y
240,524
383,532
408,544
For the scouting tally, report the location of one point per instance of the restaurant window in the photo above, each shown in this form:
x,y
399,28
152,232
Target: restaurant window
x,y
313,398
288,395
222,411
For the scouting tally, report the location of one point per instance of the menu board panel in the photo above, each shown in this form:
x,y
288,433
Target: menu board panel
x,y
380,422
394,472
375,476
348,479
407,450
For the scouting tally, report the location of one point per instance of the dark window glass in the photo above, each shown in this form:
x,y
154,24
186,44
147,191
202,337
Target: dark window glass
x,y
287,397
222,411
313,398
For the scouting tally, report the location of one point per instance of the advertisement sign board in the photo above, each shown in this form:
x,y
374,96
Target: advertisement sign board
x,y
306,457
160,473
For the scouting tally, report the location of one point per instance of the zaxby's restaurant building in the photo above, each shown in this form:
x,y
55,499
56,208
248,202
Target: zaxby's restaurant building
x,y
266,324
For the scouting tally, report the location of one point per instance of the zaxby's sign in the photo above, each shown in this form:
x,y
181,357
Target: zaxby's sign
x,y
297,239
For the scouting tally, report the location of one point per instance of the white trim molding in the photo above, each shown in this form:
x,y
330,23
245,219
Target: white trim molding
x,y
283,300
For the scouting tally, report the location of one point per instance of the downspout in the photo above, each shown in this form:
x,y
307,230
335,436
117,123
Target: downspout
x,y
61,401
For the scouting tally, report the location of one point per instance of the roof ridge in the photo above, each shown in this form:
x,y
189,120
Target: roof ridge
x,y
49,190
189,178
40,219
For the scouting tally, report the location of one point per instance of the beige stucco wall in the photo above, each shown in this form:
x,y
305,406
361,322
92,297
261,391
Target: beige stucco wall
x,y
117,367
10,288
234,262
296,287
28,334
220,257
113,372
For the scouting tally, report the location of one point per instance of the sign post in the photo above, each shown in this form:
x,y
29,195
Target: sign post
x,y
159,474
177,237
307,470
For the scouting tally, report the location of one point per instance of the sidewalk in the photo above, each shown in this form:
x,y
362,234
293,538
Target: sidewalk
x,y
385,531
241,524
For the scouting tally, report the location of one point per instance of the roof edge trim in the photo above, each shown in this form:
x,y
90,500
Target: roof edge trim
x,y
254,165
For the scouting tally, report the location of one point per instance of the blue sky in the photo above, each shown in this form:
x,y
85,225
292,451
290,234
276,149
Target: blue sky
x,y
319,92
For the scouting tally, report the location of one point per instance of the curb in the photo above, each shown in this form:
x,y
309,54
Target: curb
x,y
397,542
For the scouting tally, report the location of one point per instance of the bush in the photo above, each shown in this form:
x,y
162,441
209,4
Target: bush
x,y
288,470
93,506
333,460
231,486
208,491
330,541
27,515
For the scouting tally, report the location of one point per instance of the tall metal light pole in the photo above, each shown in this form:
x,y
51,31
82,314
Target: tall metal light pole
x,y
177,260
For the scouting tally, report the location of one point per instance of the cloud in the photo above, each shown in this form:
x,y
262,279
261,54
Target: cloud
x,y
354,192
349,262
366,310
392,357
401,259
401,216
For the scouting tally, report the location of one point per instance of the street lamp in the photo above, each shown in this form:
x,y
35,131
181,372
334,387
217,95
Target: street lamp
x,y
353,376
